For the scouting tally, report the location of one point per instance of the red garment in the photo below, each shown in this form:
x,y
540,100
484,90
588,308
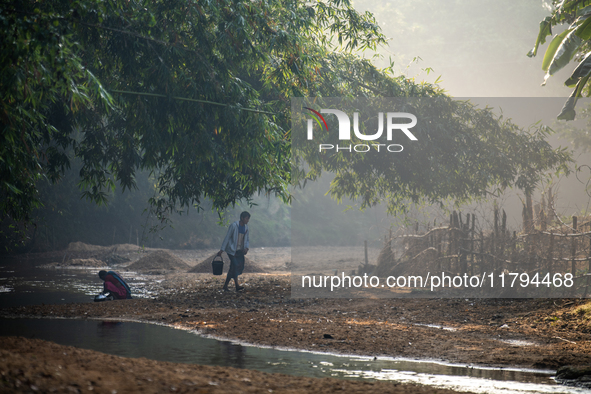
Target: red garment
x,y
113,286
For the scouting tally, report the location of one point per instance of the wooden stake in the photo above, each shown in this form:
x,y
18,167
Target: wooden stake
x,y
574,248
496,220
481,251
551,252
472,245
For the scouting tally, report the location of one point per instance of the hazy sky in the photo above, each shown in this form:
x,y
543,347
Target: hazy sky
x,y
478,47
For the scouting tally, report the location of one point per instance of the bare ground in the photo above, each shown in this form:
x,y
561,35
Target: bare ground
x,y
535,333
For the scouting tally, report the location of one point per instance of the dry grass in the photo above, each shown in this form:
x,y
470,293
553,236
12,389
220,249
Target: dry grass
x,y
583,311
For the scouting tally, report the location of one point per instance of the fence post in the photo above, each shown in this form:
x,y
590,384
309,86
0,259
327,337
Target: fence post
x,y
472,246
513,247
574,248
529,214
492,252
450,246
589,267
482,264
457,240
496,217
549,202
528,227
551,252
462,247
503,237
439,241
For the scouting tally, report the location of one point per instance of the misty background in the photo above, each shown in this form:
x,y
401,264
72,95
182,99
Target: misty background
x,y
472,48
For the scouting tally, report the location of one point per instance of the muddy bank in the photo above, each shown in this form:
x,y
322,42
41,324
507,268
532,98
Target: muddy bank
x,y
535,333
32,365
529,333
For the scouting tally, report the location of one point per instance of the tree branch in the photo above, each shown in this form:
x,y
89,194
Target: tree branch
x,y
193,100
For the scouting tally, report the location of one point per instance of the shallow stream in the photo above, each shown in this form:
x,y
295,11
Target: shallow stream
x,y
133,339
25,284
29,285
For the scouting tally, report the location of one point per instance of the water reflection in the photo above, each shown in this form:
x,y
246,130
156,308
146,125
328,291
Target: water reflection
x,y
26,284
233,354
161,343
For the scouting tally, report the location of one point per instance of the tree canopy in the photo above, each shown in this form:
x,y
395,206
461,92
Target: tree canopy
x,y
572,43
462,152
198,92
195,91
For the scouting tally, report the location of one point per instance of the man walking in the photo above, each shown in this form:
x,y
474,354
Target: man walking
x,y
236,246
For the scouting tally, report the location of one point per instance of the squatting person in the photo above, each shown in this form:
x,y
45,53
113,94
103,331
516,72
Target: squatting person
x,y
115,285
236,246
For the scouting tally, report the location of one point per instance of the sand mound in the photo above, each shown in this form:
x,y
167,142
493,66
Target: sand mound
x,y
77,263
159,260
85,263
386,261
76,247
82,247
109,255
125,248
250,267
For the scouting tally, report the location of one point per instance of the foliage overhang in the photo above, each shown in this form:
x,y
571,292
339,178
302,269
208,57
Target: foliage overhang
x,y
60,60
573,43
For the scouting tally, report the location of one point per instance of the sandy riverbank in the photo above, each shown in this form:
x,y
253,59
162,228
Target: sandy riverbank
x,y
531,333
33,366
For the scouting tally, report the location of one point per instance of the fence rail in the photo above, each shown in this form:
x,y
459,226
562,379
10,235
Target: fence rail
x,y
462,247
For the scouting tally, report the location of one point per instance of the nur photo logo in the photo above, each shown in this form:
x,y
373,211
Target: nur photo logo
x,y
392,121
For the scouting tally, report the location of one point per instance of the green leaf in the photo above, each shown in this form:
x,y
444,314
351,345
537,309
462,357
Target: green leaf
x,y
582,70
545,30
552,48
583,11
568,6
568,110
564,53
584,29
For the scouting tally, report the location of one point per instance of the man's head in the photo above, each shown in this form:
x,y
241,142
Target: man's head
x,y
102,274
244,217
